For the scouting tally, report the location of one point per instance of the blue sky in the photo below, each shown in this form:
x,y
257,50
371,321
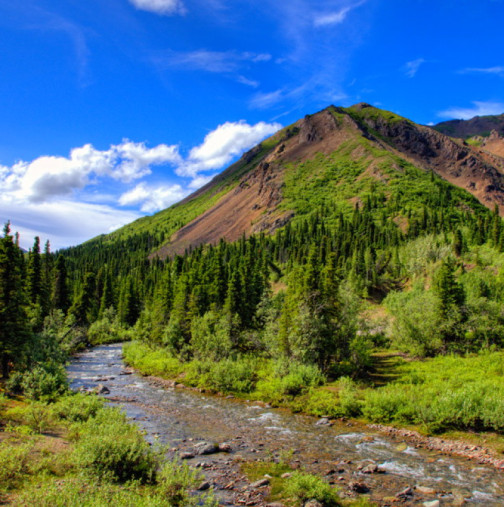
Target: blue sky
x,y
113,109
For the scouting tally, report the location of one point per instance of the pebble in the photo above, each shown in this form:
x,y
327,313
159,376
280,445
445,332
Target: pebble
x,y
424,490
203,486
260,483
405,492
434,503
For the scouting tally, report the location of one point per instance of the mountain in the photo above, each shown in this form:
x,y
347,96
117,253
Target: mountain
x,y
477,126
332,158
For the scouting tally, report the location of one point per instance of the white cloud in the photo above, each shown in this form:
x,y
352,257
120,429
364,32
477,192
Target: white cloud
x,y
411,68
71,199
265,100
48,177
498,70
210,61
478,109
247,82
200,181
335,17
163,7
153,198
222,144
64,222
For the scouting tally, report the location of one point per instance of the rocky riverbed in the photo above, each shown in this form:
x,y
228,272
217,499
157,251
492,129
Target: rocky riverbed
x,y
219,434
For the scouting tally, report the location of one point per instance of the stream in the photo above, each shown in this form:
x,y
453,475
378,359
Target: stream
x,y
180,418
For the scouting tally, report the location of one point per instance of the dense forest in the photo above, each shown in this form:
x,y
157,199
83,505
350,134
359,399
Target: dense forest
x,y
277,314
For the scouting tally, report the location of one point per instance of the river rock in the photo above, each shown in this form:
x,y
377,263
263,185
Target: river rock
x,y
203,486
323,422
433,503
405,492
286,475
187,455
358,487
313,503
225,447
260,483
372,469
424,490
206,448
101,389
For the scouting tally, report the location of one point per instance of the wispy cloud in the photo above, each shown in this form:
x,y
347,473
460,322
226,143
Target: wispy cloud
x,y
162,7
334,17
479,109
209,61
498,70
411,68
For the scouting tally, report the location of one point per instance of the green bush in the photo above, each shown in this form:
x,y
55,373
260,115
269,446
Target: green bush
x,y
304,487
46,382
77,491
77,407
13,464
110,448
230,375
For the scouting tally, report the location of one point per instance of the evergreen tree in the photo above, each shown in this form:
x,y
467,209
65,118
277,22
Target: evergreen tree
x,y
60,294
14,329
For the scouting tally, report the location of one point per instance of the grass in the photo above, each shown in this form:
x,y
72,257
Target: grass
x,y
85,454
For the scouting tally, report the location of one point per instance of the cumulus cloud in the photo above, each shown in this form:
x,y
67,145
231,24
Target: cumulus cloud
x,y
48,176
411,68
71,199
222,144
479,109
163,7
153,198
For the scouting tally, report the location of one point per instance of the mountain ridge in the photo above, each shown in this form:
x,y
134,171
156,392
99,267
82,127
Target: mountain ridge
x,y
255,194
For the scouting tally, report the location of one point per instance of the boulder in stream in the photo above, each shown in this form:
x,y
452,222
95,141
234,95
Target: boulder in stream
x,y
206,448
101,389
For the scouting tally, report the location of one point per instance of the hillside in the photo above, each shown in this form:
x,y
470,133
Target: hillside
x,y
335,157
477,126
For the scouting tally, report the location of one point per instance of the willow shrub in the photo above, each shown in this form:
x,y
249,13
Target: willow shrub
x,y
110,448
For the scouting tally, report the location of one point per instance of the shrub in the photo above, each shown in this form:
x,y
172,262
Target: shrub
x,y
78,407
13,464
306,487
110,448
46,382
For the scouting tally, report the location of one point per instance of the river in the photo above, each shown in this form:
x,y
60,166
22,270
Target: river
x,y
180,418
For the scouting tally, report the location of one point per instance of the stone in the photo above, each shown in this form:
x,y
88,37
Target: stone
x,y
286,475
203,486
204,448
187,455
260,483
224,447
405,492
370,469
424,490
101,389
358,487
323,422
433,503
313,503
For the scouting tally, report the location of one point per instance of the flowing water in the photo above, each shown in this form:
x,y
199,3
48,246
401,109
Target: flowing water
x,y
181,417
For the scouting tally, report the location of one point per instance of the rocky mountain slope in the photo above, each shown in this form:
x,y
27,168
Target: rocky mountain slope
x,y
332,157
477,126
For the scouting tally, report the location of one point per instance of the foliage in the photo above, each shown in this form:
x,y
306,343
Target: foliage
x,y
306,487
111,448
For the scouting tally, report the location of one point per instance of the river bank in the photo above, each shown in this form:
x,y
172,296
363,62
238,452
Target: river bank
x,y
336,402
347,454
